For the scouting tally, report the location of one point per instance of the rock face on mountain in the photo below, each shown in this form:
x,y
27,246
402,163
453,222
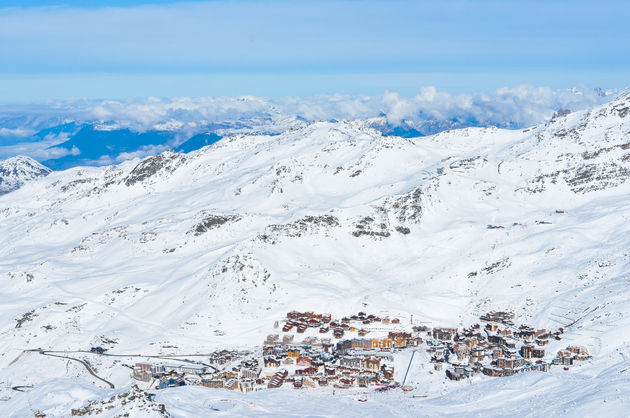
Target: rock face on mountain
x,y
204,250
16,171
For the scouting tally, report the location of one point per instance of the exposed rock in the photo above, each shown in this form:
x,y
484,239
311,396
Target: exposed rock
x,y
307,225
149,167
212,222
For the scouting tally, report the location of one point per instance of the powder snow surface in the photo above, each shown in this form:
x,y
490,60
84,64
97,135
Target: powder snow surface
x,y
204,251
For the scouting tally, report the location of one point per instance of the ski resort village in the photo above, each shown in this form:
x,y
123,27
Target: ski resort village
x,y
359,351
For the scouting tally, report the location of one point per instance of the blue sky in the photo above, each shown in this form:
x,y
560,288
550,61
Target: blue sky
x,y
121,49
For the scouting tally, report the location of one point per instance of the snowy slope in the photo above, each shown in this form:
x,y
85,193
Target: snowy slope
x,y
16,171
199,251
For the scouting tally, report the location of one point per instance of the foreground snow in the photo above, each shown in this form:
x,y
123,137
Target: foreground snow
x,y
591,391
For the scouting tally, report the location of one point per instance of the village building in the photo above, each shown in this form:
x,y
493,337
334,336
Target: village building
x,y
213,383
371,363
444,334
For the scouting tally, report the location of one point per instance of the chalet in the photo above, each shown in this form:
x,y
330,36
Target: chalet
x,y
388,372
277,379
364,381
171,382
246,386
293,353
145,367
538,353
309,383
458,373
250,373
294,315
444,334
383,343
309,371
527,351
420,328
477,354
345,345
353,362
395,321
322,381
509,343
526,332
142,375
271,362
361,344
563,361
503,317
491,371
393,335
414,341
577,350
511,363
213,383
496,339
232,384
371,363
303,361
541,367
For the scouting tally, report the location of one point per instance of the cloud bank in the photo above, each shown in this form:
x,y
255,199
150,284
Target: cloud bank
x,y
427,112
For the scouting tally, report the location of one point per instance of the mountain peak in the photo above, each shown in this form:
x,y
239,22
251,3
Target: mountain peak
x,y
16,171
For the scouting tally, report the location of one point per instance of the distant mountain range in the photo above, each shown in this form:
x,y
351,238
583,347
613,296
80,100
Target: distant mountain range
x,y
97,133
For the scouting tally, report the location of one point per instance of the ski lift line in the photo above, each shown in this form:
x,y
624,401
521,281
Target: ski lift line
x,y
409,366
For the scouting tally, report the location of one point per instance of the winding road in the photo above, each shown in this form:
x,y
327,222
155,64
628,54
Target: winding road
x,y
84,363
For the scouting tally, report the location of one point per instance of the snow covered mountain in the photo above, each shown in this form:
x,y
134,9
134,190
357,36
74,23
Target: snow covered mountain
x,y
16,171
201,251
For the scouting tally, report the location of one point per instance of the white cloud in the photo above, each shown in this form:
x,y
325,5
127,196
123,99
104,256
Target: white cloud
x,y
16,132
517,106
429,110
